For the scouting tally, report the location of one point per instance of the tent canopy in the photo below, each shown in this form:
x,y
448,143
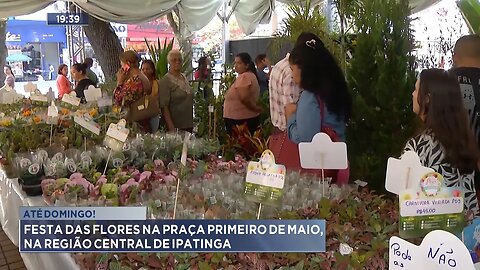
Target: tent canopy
x,y
18,57
194,13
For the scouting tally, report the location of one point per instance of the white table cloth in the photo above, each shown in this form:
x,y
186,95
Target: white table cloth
x,y
11,198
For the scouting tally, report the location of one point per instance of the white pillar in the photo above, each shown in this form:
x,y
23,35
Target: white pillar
x,y
329,13
225,31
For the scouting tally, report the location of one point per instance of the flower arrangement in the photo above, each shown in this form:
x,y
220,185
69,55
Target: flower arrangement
x,y
78,188
358,228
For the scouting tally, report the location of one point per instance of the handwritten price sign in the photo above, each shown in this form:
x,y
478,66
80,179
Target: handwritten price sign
x,y
439,250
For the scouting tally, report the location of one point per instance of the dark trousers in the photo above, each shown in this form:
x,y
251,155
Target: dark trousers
x,y
252,123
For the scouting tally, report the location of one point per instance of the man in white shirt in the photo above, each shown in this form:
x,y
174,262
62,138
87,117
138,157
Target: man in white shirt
x,y
283,91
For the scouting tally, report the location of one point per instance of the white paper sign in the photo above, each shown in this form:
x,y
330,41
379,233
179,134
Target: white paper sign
x,y
37,97
92,93
8,95
88,124
402,254
118,131
405,172
183,158
440,250
322,153
52,110
71,99
30,87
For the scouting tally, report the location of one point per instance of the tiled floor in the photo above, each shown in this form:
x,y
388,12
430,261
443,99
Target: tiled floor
x,y
9,257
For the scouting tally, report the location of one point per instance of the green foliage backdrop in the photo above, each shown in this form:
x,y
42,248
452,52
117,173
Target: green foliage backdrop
x,y
381,76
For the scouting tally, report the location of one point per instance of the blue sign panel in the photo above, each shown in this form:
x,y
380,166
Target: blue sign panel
x,y
21,32
67,19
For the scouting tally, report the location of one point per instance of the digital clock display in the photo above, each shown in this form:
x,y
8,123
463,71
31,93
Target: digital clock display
x,y
67,19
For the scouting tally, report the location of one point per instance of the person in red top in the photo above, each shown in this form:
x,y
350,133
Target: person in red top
x,y
203,72
63,84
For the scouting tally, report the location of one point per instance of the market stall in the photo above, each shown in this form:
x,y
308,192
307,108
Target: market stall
x,y
60,153
11,199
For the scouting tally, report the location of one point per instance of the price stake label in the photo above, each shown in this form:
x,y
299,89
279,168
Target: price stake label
x,y
116,136
265,180
431,205
118,131
52,110
71,100
183,158
87,123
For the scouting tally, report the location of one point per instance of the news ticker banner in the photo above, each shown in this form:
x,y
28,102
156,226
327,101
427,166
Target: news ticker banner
x,y
124,234
83,213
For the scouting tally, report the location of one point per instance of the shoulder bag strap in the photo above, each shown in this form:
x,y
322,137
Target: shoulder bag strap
x,y
321,104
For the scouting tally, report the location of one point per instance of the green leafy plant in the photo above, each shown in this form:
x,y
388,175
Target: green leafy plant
x,y
305,16
159,55
381,76
363,220
471,13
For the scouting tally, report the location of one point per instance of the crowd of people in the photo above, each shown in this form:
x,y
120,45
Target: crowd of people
x,y
308,94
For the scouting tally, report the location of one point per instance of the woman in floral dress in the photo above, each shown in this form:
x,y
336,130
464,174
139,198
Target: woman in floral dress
x,y
132,84
446,143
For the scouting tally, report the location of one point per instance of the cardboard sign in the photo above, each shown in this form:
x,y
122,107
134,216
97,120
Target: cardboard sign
x,y
404,173
265,180
430,206
322,153
439,250
87,123
92,93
